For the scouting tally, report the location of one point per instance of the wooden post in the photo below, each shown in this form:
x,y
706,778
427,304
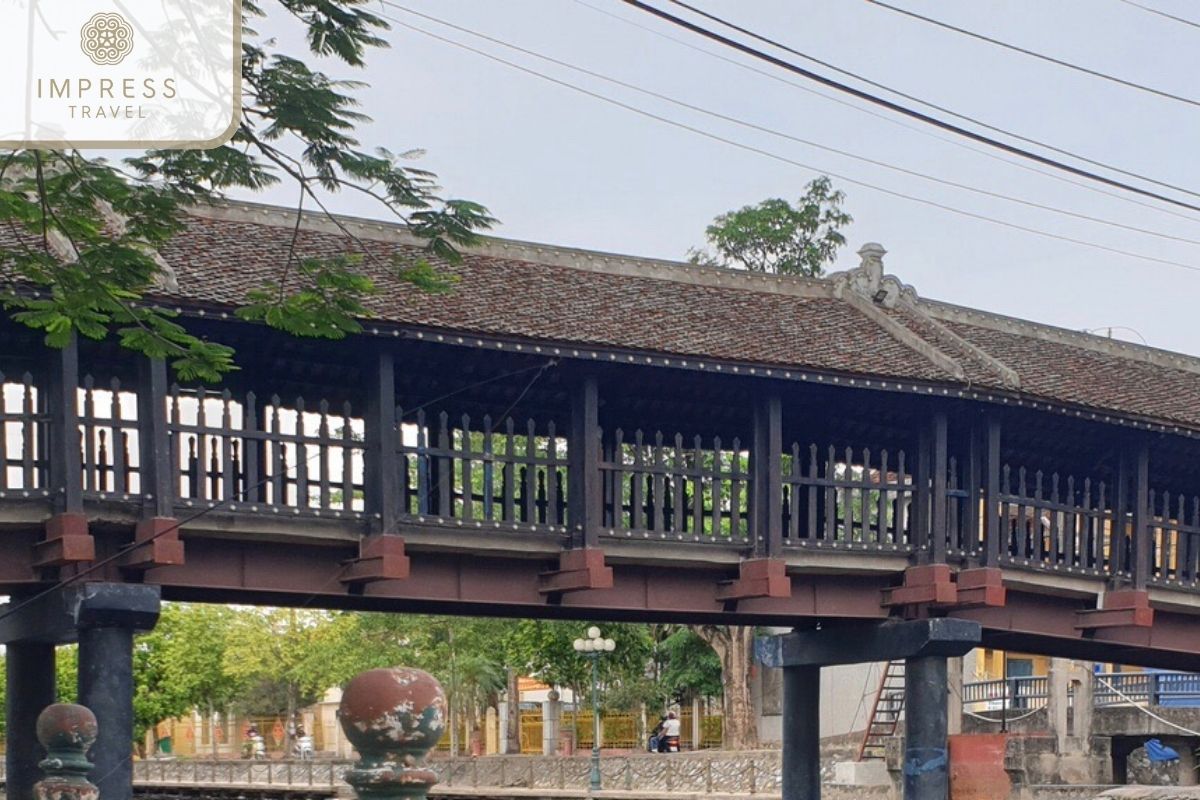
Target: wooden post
x,y
158,496
583,464
1142,544
767,475
970,481
993,531
921,493
381,494
1119,532
937,516
66,467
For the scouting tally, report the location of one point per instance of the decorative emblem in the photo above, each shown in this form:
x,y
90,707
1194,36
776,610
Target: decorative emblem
x,y
106,39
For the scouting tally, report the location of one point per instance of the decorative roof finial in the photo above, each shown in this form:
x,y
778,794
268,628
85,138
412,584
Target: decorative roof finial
x,y
66,731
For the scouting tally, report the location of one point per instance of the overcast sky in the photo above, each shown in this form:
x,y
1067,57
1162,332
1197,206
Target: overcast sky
x,y
563,168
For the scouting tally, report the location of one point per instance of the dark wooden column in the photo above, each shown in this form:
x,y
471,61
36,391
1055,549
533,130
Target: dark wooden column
x,y
970,477
993,526
381,492
66,466
157,472
939,463
583,464
919,519
1119,533
767,473
1142,548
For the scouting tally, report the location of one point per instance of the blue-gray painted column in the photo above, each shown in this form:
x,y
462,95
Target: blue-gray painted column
x,y
801,766
29,668
926,755
106,687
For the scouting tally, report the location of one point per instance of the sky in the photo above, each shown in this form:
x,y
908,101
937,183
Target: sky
x,y
564,168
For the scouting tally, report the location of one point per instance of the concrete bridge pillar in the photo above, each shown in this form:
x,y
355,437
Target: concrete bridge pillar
x,y
30,676
103,618
925,645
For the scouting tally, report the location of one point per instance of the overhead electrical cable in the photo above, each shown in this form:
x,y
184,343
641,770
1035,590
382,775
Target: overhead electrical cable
x,y
915,114
782,134
783,159
1034,54
893,120
1161,13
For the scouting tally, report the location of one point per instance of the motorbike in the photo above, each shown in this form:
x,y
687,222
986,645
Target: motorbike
x,y
303,748
661,743
255,747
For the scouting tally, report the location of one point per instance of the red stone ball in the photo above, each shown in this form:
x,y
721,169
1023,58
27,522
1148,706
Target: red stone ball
x,y
398,709
65,726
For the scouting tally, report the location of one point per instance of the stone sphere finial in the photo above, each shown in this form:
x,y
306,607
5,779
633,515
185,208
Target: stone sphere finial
x,y
66,731
393,717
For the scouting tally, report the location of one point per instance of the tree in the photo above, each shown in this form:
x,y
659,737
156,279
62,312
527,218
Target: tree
x,y
734,645
81,233
775,236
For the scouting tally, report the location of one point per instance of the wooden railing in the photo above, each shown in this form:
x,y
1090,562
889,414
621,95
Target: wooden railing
x,y
847,498
1055,522
23,420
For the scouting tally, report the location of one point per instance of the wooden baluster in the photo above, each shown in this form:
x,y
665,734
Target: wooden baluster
x,y
1193,559
445,467
1089,526
831,503
116,438
793,499
101,462
881,528
737,493
1024,543
510,480
697,487
235,459
902,508
214,468
1101,551
718,490
4,433
202,444
228,474
275,437
553,496
252,451
636,508
91,469
29,437
1054,531
323,477
352,457
193,468
1071,525
530,473
468,475
814,495
424,478
848,497
302,455
658,486
489,470
679,519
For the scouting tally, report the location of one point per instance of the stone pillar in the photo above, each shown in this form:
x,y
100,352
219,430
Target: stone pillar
x,y
491,743
107,616
954,705
1083,707
551,723
1187,765
697,723
926,757
30,689
801,756
1058,703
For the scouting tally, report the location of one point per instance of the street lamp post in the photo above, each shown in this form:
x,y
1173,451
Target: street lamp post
x,y
593,647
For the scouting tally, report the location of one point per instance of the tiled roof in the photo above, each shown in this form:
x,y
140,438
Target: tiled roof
x,y
576,298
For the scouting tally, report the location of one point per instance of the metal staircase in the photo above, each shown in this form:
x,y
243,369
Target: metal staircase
x,y
886,712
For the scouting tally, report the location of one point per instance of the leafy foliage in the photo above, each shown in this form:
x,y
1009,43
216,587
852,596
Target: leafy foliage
x,y
79,252
775,236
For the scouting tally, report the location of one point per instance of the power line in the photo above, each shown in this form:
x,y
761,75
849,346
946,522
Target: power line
x,y
913,113
923,131
783,159
783,135
1033,54
1161,13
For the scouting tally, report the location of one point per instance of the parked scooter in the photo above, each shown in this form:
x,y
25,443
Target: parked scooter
x,y
303,748
665,736
254,747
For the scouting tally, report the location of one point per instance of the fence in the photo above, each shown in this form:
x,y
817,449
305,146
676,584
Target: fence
x,y
846,499
475,473
1064,523
655,487
1180,689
